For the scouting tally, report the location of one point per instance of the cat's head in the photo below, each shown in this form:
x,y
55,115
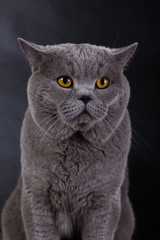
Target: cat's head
x,y
77,88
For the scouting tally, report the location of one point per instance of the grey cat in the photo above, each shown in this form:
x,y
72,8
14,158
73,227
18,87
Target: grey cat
x,y
74,145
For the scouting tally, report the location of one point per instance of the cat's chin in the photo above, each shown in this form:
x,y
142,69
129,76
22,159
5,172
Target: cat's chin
x,y
85,127
83,122
95,135
90,133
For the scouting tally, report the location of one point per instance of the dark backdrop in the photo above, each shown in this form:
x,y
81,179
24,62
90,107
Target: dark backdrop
x,y
101,22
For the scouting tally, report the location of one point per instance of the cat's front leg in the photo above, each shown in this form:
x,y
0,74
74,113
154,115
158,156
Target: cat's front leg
x,y
37,214
126,222
101,223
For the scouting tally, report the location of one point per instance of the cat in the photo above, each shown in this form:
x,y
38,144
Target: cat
x,y
75,141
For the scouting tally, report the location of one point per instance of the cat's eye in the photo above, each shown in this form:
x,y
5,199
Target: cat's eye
x,y
65,81
102,83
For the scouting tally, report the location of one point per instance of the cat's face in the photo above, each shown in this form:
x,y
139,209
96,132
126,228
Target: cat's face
x,y
77,88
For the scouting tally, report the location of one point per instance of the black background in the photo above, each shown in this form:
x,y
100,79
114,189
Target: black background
x,y
101,22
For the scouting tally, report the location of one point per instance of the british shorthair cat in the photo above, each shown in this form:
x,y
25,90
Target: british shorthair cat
x,y
75,140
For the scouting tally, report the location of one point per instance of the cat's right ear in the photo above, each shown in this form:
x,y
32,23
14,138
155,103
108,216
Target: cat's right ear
x,y
33,52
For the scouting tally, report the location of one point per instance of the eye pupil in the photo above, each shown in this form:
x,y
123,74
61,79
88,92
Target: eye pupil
x,y
65,80
102,81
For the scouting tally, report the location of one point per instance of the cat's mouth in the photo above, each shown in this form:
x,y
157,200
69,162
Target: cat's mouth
x,y
84,121
84,117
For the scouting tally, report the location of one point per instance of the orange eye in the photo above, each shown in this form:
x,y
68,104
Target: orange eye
x,y
65,82
102,83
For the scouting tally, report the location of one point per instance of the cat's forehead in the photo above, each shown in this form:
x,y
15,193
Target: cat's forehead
x,y
82,59
81,52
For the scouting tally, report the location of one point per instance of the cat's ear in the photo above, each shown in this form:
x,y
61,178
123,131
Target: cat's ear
x,y
124,54
33,52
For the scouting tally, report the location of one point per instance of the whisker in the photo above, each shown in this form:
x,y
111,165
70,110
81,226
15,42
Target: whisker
x,y
45,122
123,132
42,129
135,141
142,139
50,127
39,124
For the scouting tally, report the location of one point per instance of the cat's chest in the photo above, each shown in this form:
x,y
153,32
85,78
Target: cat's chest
x,y
76,167
77,172
75,175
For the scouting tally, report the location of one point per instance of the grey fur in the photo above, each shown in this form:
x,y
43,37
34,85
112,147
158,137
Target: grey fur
x,y
74,162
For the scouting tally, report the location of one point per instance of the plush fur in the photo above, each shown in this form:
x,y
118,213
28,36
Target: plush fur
x,y
74,147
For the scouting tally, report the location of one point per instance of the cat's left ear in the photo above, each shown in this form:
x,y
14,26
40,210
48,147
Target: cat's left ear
x,y
124,54
34,53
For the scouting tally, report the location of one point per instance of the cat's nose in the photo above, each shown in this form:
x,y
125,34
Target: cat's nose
x,y
85,99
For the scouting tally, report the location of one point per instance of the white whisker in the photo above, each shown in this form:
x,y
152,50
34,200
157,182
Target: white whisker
x,y
135,143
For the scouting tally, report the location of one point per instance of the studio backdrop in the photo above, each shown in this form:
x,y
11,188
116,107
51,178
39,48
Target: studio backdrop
x,y
100,22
